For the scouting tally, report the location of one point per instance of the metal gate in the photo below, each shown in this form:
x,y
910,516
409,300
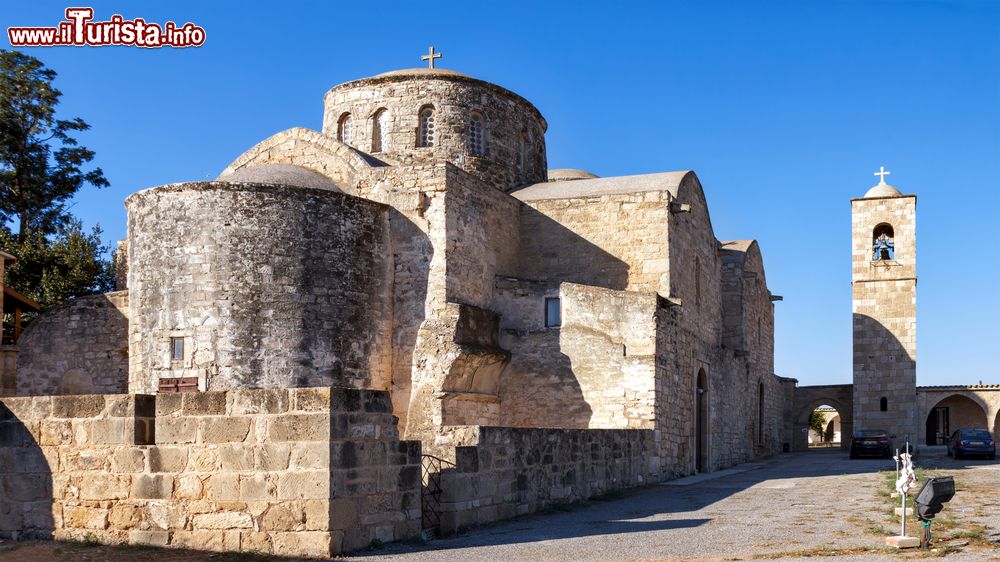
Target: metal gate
x,y
430,490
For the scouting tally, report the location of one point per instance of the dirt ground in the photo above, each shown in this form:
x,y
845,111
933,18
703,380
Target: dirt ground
x,y
793,507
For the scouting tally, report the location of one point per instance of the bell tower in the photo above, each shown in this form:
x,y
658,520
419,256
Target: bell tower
x,y
884,290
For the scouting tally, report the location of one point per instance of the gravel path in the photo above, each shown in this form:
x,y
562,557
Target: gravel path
x,y
793,507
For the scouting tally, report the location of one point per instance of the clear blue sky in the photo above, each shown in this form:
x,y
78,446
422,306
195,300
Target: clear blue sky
x,y
784,109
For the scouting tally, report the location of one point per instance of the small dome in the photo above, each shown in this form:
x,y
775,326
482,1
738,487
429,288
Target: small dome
x,y
566,174
883,189
281,174
423,71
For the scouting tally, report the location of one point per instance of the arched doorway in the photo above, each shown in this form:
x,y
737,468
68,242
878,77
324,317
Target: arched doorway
x,y
950,414
824,428
701,422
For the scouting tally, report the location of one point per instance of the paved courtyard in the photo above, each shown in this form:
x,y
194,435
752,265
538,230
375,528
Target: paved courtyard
x,y
796,506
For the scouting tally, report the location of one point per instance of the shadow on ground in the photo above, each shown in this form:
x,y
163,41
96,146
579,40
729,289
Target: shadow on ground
x,y
651,508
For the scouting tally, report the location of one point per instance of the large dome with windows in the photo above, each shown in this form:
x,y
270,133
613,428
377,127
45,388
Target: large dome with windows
x,y
435,115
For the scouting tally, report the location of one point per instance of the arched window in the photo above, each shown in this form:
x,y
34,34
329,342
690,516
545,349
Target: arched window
x,y
425,131
883,404
522,151
883,243
477,134
345,128
760,413
380,130
697,280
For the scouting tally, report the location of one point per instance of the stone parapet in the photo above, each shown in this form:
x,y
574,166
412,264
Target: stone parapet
x,y
301,472
503,472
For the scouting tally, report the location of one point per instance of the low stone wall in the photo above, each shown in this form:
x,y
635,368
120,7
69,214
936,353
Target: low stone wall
x,y
502,472
298,472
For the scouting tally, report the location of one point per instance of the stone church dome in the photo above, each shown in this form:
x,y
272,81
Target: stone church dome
x,y
436,115
281,174
883,189
422,71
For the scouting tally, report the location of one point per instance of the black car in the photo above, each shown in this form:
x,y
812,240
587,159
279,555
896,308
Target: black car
x,y
971,442
871,443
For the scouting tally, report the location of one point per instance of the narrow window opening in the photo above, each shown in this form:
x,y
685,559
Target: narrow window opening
x,y
345,128
883,243
553,314
883,404
176,349
380,130
477,135
760,413
425,134
522,151
697,281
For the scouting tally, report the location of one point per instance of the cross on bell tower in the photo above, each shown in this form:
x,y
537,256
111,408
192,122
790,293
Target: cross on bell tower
x,y
881,173
430,56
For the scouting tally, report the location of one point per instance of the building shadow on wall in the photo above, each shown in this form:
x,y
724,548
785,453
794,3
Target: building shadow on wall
x,y
25,482
549,250
412,253
539,388
885,359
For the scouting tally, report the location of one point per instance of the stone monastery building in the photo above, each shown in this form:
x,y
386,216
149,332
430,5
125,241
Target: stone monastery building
x,y
418,245
401,322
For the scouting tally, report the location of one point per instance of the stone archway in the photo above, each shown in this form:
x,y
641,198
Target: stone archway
x,y
807,398
953,412
996,427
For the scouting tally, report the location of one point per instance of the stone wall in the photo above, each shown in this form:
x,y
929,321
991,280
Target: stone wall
x,y
483,231
416,197
299,472
508,119
502,472
593,371
615,241
266,285
78,347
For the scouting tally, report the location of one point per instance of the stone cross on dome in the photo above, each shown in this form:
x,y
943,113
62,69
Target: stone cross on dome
x,y
881,173
430,56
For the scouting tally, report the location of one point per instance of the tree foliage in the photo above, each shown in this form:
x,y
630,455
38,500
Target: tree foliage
x,y
816,422
41,167
65,265
40,162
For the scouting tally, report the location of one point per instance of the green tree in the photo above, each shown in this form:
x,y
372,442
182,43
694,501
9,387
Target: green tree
x,y
817,423
40,162
51,269
41,168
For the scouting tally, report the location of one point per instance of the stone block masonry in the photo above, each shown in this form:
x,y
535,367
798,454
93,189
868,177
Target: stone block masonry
x,y
79,347
301,472
503,472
